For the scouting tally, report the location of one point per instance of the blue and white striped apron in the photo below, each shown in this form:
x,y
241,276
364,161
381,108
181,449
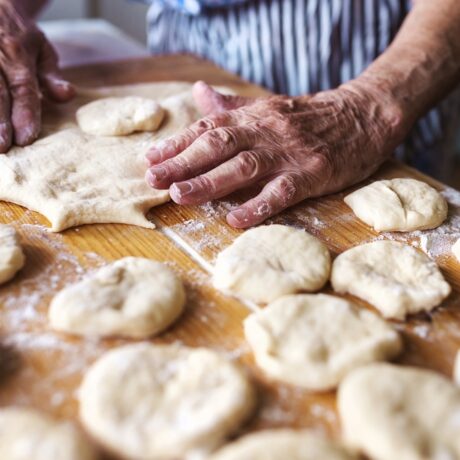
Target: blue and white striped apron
x,y
302,46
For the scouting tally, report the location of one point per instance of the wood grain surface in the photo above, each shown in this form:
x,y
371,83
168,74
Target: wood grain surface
x,y
43,369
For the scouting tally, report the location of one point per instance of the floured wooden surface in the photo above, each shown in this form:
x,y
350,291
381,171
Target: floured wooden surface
x,y
43,369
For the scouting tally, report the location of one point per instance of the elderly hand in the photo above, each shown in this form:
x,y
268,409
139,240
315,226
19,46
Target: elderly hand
x,y
299,147
28,67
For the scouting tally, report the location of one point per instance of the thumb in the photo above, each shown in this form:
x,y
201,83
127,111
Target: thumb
x,y
210,102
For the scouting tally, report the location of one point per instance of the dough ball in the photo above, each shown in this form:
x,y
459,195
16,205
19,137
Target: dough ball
x,y
11,256
398,205
456,249
457,368
132,297
283,444
147,401
120,116
404,413
267,262
395,278
313,341
26,434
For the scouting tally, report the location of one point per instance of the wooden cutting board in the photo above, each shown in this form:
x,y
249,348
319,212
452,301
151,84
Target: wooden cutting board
x,y
43,369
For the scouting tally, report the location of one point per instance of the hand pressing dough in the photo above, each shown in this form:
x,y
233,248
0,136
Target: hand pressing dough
x,y
313,341
456,249
119,116
163,402
283,444
399,205
73,178
393,412
26,434
395,278
457,368
11,256
132,297
270,261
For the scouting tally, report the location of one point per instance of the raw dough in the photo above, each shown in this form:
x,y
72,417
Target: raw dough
x,y
457,368
73,178
119,116
398,205
283,444
132,297
164,402
392,412
395,278
313,341
456,249
11,256
270,261
26,434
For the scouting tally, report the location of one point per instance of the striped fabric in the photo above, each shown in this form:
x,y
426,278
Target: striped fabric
x,y
304,46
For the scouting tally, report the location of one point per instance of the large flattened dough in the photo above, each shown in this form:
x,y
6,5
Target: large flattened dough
x,y
314,341
132,297
393,412
11,256
119,116
73,178
398,205
270,261
283,444
26,434
395,278
144,401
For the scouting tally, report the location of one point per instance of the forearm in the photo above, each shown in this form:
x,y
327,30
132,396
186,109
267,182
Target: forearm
x,y
422,65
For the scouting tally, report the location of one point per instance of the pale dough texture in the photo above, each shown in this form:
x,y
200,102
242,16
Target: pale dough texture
x,y
398,205
119,116
132,297
456,249
400,413
457,368
26,434
163,402
283,444
395,278
270,261
11,256
313,341
73,178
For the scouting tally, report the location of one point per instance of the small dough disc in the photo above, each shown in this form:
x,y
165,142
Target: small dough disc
x,y
395,278
399,205
26,434
314,340
120,116
457,368
11,256
283,444
404,413
270,261
456,249
132,297
144,401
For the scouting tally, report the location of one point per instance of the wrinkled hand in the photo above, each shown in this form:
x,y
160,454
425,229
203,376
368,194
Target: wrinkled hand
x,y
28,69
299,147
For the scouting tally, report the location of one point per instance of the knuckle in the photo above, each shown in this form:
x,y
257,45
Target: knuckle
x,y
178,166
248,164
285,189
205,183
219,137
205,124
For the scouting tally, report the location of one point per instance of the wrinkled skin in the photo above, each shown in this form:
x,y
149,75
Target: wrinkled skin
x,y
299,147
28,66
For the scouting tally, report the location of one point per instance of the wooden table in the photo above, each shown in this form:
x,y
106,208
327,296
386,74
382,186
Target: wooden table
x,y
43,369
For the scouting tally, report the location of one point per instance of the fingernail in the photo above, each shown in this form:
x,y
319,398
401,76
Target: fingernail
x,y
182,189
240,215
26,135
155,175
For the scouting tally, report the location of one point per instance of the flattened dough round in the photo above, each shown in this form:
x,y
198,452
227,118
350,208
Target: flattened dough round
x,y
120,116
283,444
399,205
270,261
11,256
395,278
456,249
145,401
313,341
26,434
132,297
404,413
